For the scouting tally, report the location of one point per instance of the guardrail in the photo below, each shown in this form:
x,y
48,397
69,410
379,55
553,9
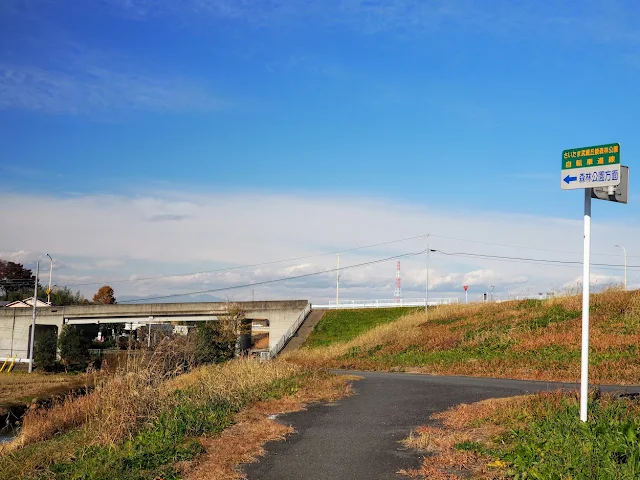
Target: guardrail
x,y
289,333
386,303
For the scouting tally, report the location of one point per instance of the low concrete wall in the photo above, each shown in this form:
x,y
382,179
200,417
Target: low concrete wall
x,y
15,323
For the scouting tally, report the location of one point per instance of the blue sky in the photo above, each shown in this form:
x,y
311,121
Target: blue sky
x,y
461,108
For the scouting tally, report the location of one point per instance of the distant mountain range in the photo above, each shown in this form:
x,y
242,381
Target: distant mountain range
x,y
183,299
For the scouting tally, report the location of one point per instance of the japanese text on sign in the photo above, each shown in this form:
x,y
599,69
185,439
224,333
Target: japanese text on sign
x,y
599,176
592,156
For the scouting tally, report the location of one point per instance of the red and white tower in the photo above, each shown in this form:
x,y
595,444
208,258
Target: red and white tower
x,y
397,294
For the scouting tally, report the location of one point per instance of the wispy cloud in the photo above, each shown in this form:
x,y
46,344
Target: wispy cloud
x,y
168,217
90,89
255,228
599,21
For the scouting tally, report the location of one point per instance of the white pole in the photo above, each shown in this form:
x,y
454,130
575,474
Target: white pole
x,y
50,276
338,283
426,298
466,296
33,318
586,275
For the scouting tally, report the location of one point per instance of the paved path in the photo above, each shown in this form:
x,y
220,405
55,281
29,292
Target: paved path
x,y
304,331
357,438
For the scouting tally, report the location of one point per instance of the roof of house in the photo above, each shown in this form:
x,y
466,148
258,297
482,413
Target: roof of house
x,y
26,303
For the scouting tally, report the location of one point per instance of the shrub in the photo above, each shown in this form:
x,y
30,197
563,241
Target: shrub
x,y
74,347
213,345
45,350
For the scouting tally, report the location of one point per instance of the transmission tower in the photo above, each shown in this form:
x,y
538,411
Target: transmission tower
x,y
397,294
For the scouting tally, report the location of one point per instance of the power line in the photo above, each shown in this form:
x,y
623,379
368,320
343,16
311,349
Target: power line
x,y
237,267
282,279
566,263
527,248
159,277
533,260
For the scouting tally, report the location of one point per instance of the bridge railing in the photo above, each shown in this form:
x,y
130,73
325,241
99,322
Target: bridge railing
x,y
290,332
388,303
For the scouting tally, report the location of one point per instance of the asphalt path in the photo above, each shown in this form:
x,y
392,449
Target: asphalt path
x,y
358,437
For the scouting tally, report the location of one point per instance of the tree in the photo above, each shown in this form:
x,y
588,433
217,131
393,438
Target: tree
x,y
16,282
211,344
63,296
45,349
216,340
74,347
104,296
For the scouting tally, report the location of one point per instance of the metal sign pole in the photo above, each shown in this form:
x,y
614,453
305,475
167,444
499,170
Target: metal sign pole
x,y
586,275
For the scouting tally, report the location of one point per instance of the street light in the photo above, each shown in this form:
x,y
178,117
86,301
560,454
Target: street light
x,y
50,276
625,265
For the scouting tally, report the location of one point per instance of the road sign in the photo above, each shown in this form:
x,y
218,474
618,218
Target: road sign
x,y
590,167
466,287
597,171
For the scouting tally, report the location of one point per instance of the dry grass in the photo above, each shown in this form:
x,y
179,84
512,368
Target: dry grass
x,y
123,403
537,340
114,409
477,424
20,388
531,436
260,341
243,442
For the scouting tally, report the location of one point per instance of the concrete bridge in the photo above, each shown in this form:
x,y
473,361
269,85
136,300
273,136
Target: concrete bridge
x,y
284,317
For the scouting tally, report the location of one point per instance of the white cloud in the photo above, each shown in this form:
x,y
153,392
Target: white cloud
x,y
595,280
88,89
18,256
112,237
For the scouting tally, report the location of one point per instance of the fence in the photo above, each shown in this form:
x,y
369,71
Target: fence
x,y
291,331
386,303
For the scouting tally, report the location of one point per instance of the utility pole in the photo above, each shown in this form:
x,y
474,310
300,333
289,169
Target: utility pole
x,y
33,318
426,300
426,287
338,283
625,265
50,276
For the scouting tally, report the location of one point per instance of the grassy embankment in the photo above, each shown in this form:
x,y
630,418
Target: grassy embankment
x,y
536,436
145,423
532,437
344,325
528,339
20,388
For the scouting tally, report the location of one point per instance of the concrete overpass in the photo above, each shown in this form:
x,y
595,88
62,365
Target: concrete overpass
x,y
284,318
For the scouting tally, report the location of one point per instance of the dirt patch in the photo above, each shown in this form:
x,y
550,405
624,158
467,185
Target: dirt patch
x,y
243,442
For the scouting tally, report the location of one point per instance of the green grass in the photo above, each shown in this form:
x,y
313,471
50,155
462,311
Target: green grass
x,y
559,446
344,325
415,355
154,451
